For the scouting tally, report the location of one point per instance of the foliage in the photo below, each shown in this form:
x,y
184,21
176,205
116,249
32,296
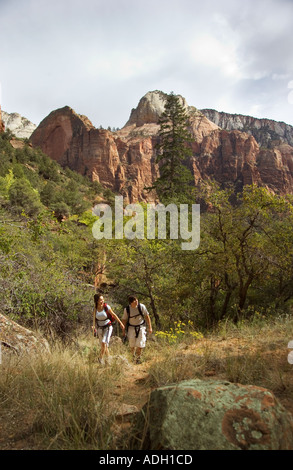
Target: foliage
x,y
172,151
47,254
241,254
50,259
30,180
243,263
23,197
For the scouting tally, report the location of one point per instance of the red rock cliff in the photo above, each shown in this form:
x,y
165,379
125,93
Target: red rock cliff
x,y
124,161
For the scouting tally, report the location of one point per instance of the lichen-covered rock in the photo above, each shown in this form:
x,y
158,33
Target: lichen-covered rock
x,y
214,415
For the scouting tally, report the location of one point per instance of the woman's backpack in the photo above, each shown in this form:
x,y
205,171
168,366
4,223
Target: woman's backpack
x,y
109,315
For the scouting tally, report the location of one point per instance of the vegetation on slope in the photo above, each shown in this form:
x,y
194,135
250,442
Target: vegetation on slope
x,y
49,256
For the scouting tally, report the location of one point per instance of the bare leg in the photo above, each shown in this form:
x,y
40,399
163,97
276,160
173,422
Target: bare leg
x,y
138,352
104,351
138,355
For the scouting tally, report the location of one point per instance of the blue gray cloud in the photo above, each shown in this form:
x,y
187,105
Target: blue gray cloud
x,y
101,56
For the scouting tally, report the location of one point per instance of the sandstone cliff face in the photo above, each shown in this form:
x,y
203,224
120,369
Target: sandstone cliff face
x,y
265,131
18,125
227,157
124,161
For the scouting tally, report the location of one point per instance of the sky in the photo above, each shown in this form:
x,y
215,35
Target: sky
x,y
100,57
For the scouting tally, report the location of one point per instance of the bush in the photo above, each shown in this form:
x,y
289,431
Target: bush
x,y
23,197
49,169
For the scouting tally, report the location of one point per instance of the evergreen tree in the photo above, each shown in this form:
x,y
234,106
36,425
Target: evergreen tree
x,y
173,184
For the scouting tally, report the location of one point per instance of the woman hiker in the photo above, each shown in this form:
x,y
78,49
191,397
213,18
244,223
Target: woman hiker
x,y
103,317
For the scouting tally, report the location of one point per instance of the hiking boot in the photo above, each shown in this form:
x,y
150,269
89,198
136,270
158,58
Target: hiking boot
x,y
138,360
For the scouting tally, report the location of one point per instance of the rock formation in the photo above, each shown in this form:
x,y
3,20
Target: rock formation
x,y
150,108
20,126
266,132
2,125
17,339
213,415
124,161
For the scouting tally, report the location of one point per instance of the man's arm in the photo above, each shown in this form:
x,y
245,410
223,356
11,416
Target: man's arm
x,y
94,321
148,319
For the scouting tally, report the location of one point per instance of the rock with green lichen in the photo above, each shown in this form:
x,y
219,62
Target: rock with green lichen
x,y
213,415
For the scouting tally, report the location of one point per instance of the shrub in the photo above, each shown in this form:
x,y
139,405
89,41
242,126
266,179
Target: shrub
x,y
23,197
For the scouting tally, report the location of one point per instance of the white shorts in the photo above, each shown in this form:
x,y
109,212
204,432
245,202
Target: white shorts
x,y
138,342
104,334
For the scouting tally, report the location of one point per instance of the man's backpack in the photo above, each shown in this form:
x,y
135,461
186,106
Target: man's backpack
x,y
137,327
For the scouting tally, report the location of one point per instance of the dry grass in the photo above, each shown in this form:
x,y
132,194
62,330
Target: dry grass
x,y
252,353
65,399
66,394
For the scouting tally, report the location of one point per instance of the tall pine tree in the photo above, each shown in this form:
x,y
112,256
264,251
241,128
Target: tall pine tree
x,y
173,184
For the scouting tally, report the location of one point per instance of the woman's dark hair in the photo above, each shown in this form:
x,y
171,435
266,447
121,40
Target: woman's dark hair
x,y
131,299
96,299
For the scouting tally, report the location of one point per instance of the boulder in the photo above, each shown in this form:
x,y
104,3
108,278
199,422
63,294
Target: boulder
x,y
213,415
20,340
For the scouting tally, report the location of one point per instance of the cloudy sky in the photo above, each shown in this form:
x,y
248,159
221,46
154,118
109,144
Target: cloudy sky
x,y
101,56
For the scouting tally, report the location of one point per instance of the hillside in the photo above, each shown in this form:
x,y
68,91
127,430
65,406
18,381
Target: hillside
x,y
48,266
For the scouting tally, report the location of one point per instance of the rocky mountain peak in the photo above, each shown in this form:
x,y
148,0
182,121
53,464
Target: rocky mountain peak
x,y
150,108
55,133
20,126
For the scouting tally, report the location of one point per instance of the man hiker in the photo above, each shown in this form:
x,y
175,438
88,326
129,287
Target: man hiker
x,y
135,318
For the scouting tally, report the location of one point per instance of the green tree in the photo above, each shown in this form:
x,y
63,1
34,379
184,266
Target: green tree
x,y
245,256
141,267
174,181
